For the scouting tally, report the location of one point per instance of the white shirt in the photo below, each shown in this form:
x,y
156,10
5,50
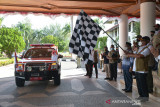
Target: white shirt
x,y
145,52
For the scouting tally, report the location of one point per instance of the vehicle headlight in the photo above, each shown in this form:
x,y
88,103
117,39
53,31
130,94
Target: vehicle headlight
x,y
54,66
19,67
29,68
41,68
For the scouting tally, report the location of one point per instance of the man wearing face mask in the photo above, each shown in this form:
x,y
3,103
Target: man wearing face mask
x,y
156,37
127,64
140,66
139,37
113,58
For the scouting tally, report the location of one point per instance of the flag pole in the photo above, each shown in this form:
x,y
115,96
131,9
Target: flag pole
x,y
113,40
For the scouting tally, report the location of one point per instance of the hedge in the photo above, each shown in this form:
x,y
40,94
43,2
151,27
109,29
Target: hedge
x,y
3,63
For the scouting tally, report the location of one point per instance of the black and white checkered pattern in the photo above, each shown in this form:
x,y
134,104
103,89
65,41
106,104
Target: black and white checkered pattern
x,y
84,37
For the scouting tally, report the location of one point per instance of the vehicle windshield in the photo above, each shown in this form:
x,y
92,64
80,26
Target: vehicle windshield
x,y
39,53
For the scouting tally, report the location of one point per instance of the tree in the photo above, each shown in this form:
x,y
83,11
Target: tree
x,y
54,40
62,35
99,22
50,39
101,43
26,32
11,39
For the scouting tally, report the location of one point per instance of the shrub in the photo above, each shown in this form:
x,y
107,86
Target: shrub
x,y
3,63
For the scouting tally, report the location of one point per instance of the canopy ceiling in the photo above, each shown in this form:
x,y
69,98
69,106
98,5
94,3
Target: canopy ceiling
x,y
92,7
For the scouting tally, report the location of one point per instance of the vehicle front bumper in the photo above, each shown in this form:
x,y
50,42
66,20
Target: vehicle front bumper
x,y
40,75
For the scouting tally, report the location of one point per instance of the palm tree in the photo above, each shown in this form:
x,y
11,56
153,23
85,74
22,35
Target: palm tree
x,y
26,32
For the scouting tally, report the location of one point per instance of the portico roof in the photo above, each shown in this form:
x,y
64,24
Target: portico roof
x,y
91,7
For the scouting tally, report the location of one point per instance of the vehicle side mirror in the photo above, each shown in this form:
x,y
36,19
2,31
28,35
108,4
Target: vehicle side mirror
x,y
20,57
60,56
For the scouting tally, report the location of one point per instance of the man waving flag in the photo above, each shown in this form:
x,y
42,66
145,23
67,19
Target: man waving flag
x,y
84,37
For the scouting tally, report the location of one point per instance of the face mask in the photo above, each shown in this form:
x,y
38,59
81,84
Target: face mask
x,y
139,43
112,49
152,35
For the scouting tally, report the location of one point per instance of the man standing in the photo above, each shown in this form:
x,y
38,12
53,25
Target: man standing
x,y
156,38
151,63
140,66
106,63
113,57
127,64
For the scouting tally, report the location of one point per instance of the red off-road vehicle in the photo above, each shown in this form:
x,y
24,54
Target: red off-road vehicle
x,y
37,64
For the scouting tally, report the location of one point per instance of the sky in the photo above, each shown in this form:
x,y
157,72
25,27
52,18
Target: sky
x,y
39,21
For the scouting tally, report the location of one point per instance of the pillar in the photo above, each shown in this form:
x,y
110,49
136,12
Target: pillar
x,y
123,32
147,17
71,25
109,41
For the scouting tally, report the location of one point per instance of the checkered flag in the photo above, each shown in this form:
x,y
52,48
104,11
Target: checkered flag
x,y
84,37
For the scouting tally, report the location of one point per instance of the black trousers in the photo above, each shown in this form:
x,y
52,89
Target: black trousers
x,y
141,79
95,66
89,68
113,70
150,79
128,80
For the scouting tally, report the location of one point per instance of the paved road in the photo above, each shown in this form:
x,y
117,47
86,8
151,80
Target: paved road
x,y
75,90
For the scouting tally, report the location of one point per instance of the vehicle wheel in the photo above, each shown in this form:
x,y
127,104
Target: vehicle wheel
x,y
19,82
57,80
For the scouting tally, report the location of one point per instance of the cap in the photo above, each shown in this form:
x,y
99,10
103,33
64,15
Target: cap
x,y
128,43
146,38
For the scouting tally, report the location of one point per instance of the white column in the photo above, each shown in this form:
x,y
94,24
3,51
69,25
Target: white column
x,y
71,30
71,25
109,41
147,17
123,32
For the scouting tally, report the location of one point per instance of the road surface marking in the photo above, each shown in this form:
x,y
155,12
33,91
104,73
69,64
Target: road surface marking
x,y
77,85
64,94
94,81
93,92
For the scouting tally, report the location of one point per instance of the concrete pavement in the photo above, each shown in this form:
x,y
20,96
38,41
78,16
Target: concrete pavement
x,y
75,90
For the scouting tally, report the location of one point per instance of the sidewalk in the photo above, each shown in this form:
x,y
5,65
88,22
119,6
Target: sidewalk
x,y
154,100
7,71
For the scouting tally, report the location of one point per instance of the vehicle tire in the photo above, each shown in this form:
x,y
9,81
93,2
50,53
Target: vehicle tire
x,y
57,80
19,82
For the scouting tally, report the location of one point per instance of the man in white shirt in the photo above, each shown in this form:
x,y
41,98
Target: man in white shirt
x,y
140,66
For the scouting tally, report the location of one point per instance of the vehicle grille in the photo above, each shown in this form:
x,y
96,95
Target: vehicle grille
x,y
37,66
